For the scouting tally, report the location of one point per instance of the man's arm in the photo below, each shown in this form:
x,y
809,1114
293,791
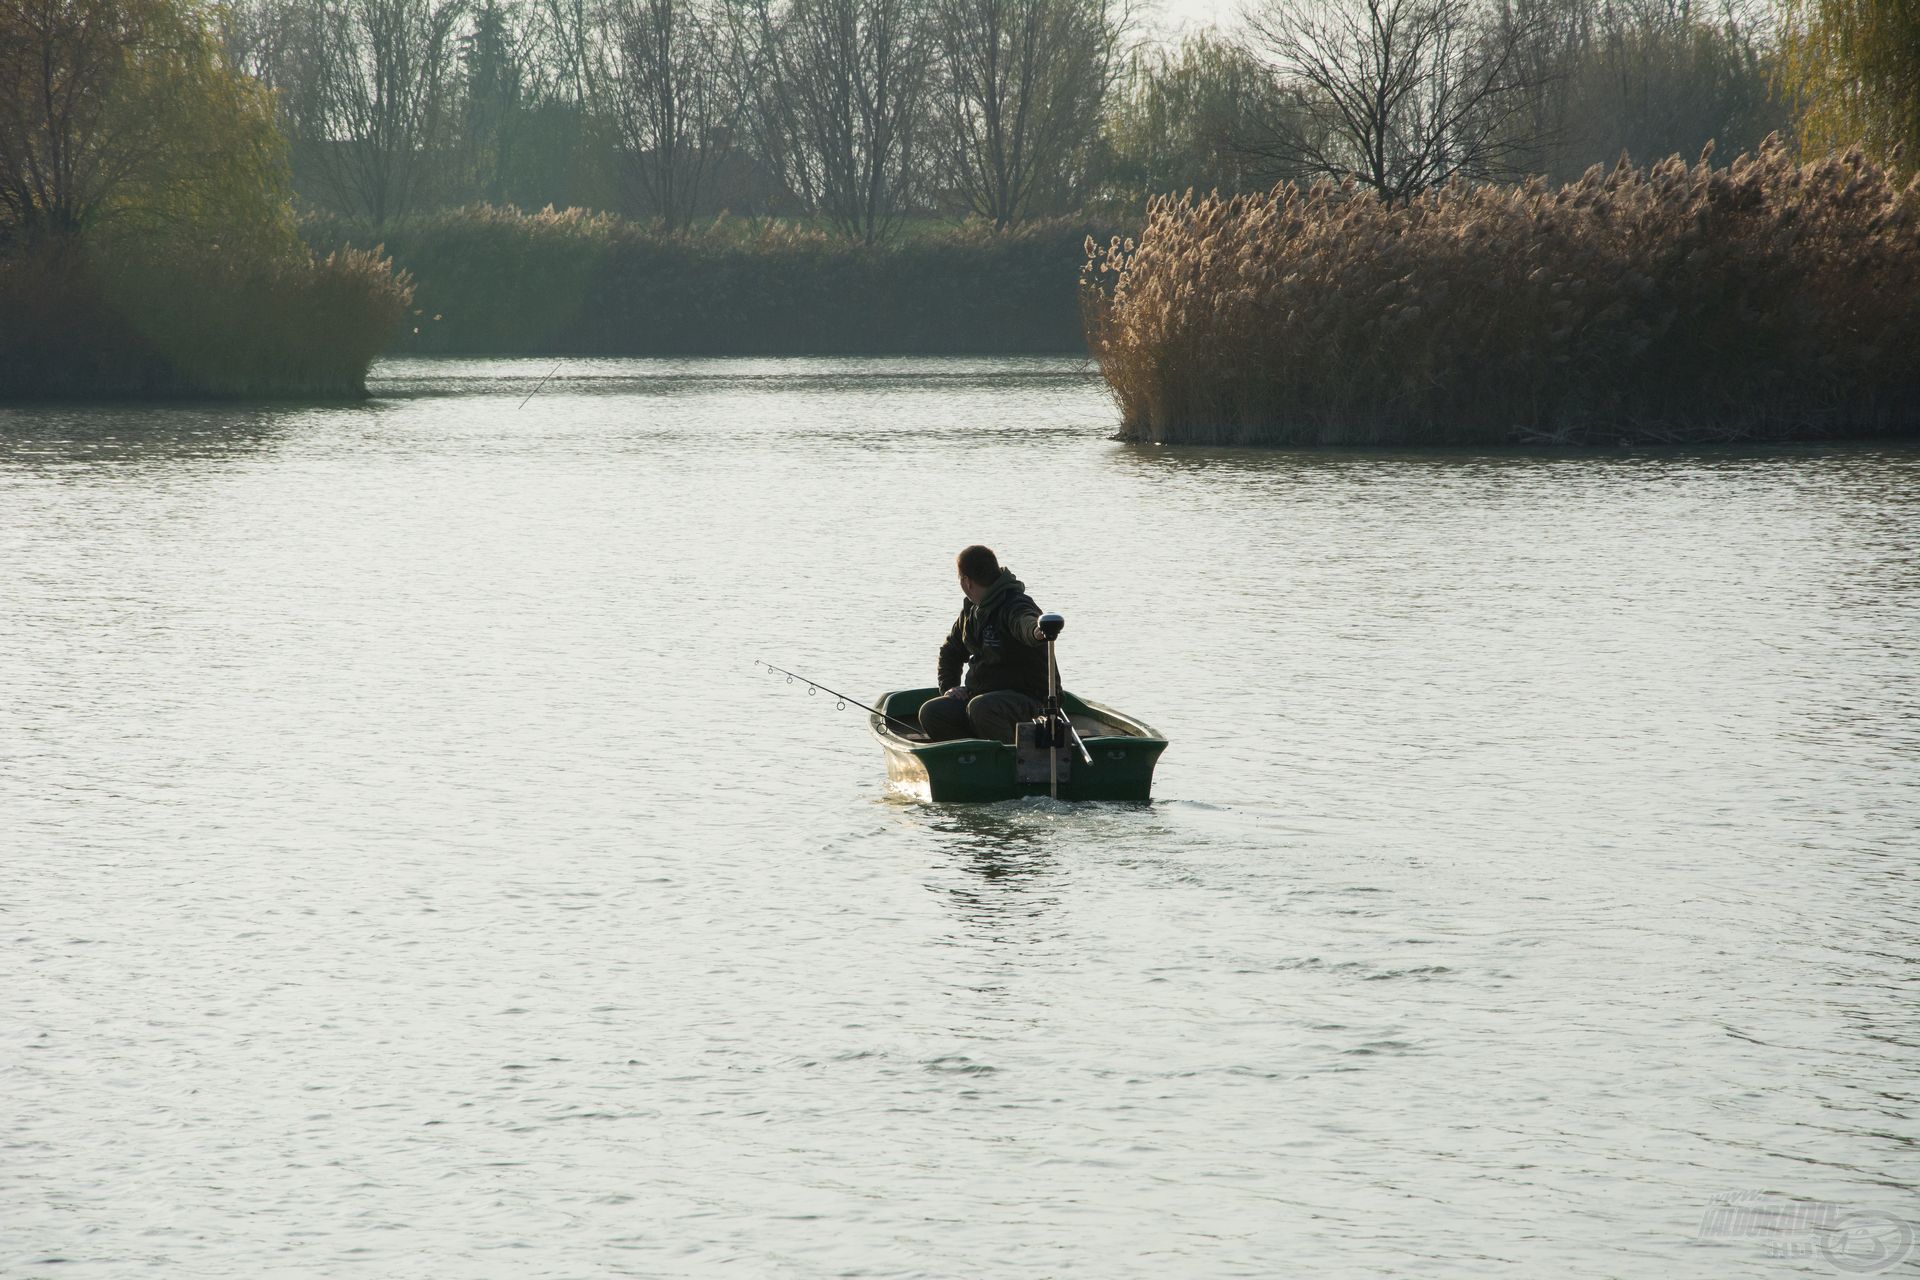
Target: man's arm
x,y
1025,621
952,654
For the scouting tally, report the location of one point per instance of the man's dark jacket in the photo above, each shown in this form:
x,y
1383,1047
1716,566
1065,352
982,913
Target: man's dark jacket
x,y
1000,640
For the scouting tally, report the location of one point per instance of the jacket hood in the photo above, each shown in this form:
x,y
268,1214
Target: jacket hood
x,y
1004,587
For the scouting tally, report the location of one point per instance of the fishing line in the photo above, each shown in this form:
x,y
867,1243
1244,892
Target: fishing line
x,y
543,382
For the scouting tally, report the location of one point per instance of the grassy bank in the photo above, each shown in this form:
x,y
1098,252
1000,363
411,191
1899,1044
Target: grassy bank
x,y
1769,300
497,280
80,323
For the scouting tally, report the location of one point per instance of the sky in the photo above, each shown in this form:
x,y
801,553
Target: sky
x,y
1174,17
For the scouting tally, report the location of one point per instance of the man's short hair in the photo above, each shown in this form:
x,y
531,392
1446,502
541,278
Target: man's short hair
x,y
980,564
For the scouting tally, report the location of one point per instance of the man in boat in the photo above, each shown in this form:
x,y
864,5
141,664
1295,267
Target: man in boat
x,y
998,636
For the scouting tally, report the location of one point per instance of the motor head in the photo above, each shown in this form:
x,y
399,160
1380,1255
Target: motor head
x,y
1050,625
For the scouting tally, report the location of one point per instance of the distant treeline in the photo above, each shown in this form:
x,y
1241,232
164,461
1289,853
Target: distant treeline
x,y
497,280
1769,300
862,116
759,175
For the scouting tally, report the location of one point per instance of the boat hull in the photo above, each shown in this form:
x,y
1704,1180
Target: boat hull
x,y
975,770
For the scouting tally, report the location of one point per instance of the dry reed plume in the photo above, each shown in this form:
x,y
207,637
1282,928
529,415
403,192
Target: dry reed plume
x,y
1768,300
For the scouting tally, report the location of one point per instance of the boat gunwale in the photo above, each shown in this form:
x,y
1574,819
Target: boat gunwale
x,y
1146,734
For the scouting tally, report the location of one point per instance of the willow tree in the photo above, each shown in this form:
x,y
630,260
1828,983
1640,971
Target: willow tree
x,y
1185,116
124,118
1856,64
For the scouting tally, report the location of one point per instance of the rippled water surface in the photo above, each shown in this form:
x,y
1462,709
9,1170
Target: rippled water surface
x,y
406,873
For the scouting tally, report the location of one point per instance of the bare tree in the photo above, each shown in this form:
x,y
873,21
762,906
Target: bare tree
x,y
1025,84
661,76
367,88
1553,37
569,33
1665,77
258,41
1400,95
839,104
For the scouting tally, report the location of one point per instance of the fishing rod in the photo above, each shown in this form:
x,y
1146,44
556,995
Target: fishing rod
x,y
841,700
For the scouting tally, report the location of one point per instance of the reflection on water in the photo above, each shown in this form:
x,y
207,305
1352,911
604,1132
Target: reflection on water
x,y
408,872
1007,878
869,377
56,436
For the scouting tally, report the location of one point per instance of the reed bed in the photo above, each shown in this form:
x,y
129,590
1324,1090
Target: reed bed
x,y
1767,300
495,280
115,323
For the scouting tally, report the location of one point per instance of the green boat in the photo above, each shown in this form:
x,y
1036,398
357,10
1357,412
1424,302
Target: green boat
x,y
1122,751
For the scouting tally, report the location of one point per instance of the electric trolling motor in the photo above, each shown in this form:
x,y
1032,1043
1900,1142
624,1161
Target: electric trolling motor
x,y
1050,737
1052,731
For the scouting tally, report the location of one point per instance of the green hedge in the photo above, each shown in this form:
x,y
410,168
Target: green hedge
x,y
496,280
76,323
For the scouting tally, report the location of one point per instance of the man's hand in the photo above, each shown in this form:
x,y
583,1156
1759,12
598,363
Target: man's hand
x,y
958,691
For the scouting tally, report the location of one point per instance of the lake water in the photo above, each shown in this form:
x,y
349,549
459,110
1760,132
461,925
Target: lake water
x,y
408,873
